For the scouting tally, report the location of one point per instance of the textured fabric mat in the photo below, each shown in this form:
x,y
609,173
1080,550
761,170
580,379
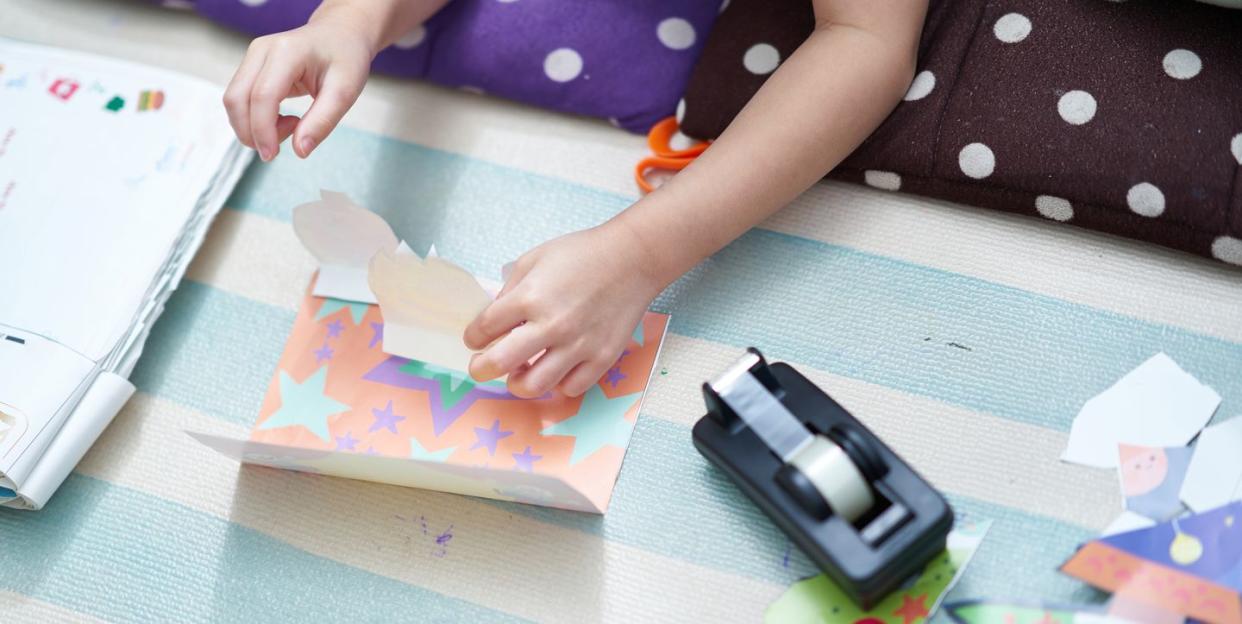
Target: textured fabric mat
x,y
966,339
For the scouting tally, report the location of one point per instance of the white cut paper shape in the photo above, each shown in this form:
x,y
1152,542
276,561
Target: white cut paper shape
x,y
1214,477
1156,404
1127,521
426,305
343,237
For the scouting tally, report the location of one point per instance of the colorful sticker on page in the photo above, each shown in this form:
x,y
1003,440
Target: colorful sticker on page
x,y
818,599
1151,479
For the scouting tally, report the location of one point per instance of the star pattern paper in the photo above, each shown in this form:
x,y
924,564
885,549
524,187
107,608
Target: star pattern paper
x,y
332,306
305,404
599,422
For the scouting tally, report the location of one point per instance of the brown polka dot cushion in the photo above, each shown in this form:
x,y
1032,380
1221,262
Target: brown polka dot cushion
x,y
1123,117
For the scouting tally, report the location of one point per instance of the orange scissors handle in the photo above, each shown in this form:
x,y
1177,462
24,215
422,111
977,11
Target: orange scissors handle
x,y
666,158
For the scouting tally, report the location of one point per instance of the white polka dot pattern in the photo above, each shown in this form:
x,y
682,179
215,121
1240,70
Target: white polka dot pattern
x,y
1012,27
675,33
1228,249
681,110
1055,208
1182,64
921,86
977,160
563,64
1235,146
761,59
1076,107
412,38
885,180
1145,199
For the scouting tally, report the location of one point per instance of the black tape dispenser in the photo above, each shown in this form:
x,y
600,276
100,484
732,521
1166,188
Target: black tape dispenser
x,y
863,515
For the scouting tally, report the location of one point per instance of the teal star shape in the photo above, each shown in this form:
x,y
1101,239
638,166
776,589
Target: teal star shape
x,y
305,404
638,332
599,421
330,306
418,451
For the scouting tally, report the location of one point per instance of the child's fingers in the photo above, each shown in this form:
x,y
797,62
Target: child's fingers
x,y
273,84
285,125
583,376
544,375
510,352
339,92
493,322
237,94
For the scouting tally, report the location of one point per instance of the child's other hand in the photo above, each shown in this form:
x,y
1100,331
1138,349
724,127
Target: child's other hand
x,y
327,59
579,297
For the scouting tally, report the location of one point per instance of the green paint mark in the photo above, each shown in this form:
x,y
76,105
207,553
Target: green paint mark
x,y
115,104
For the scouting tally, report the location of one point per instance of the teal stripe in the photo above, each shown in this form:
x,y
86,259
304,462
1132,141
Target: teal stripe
x,y
126,556
1032,358
199,354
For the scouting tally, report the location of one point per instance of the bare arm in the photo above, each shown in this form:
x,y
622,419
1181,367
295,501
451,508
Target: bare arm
x,y
818,106
811,113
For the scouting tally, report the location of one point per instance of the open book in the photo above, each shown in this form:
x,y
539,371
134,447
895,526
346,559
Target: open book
x,y
110,173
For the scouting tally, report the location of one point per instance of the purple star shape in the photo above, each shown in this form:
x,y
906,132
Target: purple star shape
x,y
526,460
371,451
384,419
335,328
614,376
346,443
323,353
378,336
489,437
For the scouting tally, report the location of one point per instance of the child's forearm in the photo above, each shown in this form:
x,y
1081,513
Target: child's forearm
x,y
823,101
382,22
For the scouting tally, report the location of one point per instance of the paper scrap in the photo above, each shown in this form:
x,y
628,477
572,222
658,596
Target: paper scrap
x,y
1191,565
818,599
1157,404
1151,479
426,304
1127,521
343,237
1214,476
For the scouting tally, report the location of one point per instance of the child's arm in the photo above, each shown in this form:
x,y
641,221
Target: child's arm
x,y
580,296
328,58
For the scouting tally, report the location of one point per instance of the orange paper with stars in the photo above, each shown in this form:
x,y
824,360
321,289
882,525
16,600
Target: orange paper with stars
x,y
338,405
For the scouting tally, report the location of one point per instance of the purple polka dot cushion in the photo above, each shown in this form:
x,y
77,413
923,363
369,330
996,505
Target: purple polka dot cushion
x,y
622,60
1120,117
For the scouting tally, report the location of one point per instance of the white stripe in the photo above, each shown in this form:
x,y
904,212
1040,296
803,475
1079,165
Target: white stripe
x,y
968,453
19,609
495,559
1069,263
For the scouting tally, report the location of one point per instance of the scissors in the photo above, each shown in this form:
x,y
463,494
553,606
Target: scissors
x,y
664,157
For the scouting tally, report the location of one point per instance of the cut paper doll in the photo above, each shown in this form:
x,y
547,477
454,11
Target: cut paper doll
x,y
1191,565
1151,479
427,304
343,237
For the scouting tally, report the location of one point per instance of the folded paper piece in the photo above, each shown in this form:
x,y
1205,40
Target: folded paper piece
x,y
426,303
990,611
1214,476
343,237
1151,479
338,405
817,599
1157,404
1191,565
1127,521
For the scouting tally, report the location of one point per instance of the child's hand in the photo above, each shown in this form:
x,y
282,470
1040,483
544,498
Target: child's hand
x,y
327,59
579,297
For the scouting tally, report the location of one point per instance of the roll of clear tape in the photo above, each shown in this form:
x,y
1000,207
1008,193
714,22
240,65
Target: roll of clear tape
x,y
835,477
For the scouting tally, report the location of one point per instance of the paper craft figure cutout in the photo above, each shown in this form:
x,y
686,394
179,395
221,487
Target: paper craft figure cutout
x,y
1151,479
1191,565
343,237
